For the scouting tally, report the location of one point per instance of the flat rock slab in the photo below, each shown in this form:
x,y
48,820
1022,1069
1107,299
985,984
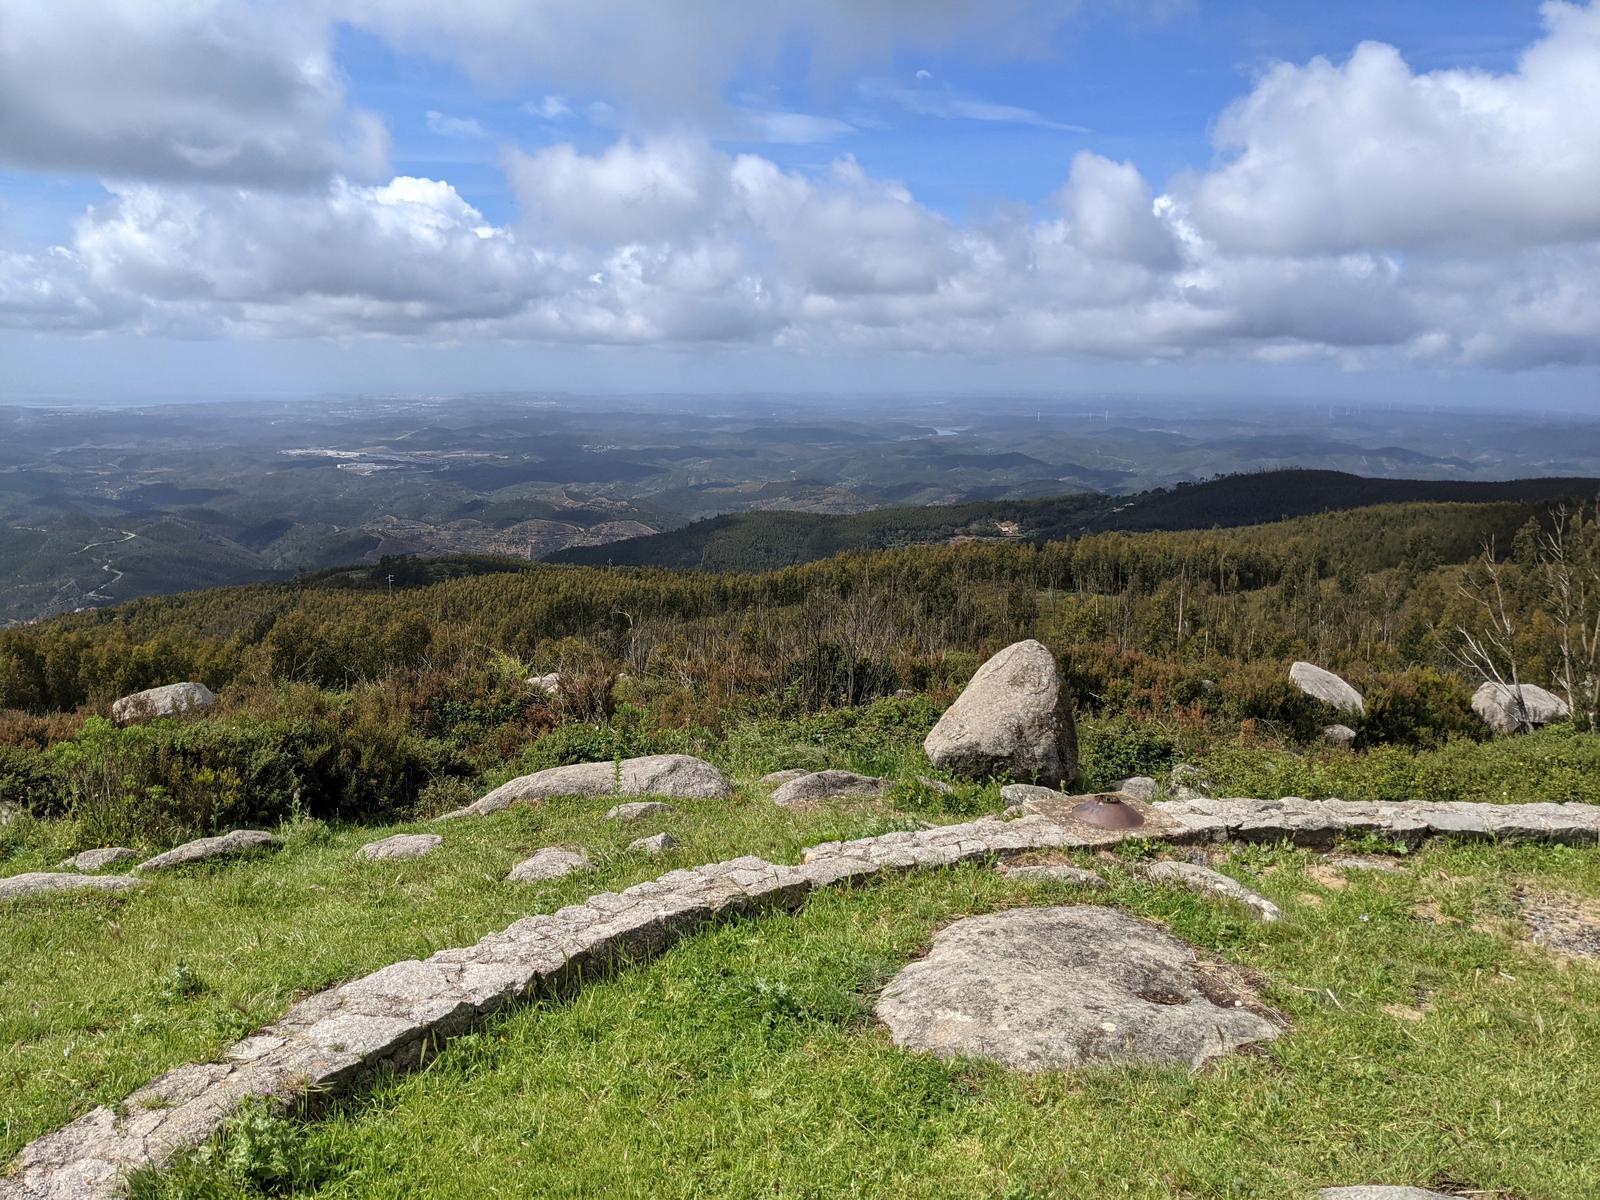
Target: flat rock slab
x,y
38,883
1564,924
1320,823
681,776
1042,989
658,843
550,863
638,810
402,845
828,785
1055,873
97,860
1204,879
240,841
1060,807
1324,685
1368,1191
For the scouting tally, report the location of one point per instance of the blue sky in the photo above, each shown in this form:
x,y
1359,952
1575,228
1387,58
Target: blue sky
x,y
1141,195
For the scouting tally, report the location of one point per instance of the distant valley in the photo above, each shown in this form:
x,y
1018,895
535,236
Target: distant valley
x,y
100,505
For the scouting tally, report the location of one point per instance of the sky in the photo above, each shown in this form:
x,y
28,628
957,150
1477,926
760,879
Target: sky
x,y
1393,200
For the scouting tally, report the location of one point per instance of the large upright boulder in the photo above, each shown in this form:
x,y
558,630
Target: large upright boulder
x,y
1324,685
166,701
680,776
1013,720
1497,704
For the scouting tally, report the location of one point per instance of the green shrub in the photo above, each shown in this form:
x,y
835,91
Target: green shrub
x,y
28,780
167,780
1420,706
1110,750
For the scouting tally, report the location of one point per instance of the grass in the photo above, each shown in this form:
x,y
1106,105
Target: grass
x,y
1431,1044
1433,1049
99,993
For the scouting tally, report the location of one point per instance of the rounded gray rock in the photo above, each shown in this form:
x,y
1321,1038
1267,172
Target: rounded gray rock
x,y
240,841
658,843
166,701
95,860
1497,704
779,778
1140,787
828,785
1339,735
1324,685
1014,720
402,845
1041,989
681,776
1368,1191
36,883
550,863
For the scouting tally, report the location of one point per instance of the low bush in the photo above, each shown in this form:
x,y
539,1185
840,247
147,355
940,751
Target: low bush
x,y
172,779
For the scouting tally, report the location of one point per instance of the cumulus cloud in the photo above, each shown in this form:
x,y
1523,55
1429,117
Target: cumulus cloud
x,y
1369,154
1360,212
193,89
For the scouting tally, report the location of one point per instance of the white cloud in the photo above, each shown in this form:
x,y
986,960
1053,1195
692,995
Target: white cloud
x,y
1362,213
187,89
455,127
1368,154
551,108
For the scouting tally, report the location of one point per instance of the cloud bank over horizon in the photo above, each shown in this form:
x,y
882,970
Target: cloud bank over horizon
x,y
1356,211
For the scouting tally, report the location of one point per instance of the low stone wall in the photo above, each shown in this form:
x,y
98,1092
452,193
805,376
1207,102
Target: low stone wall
x,y
331,1044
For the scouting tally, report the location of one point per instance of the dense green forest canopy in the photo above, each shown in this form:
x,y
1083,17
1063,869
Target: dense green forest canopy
x,y
764,541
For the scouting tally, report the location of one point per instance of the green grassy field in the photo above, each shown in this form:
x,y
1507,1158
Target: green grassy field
x,y
1437,1048
1430,1042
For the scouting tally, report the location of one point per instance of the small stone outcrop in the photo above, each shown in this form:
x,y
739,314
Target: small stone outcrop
x,y
548,686
1203,879
1324,685
657,843
1339,735
681,776
168,701
779,778
229,845
98,860
1014,721
1368,1191
1497,704
401,845
550,863
1055,873
1139,787
37,883
828,785
1045,989
638,810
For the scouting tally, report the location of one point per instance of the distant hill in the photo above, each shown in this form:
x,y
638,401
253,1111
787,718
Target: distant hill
x,y
763,541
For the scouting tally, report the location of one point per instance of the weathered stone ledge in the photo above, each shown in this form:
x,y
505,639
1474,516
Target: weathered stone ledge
x,y
330,1044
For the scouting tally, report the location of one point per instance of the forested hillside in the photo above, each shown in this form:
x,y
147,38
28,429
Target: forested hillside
x,y
397,688
764,541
